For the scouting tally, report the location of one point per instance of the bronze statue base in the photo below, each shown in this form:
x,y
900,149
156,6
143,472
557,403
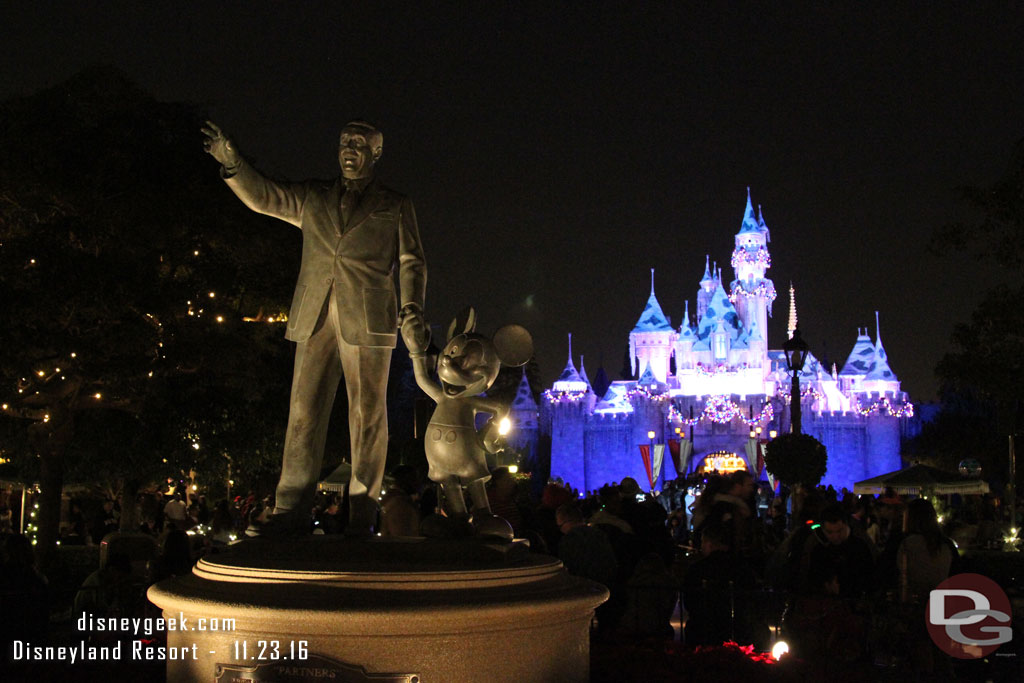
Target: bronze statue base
x,y
412,610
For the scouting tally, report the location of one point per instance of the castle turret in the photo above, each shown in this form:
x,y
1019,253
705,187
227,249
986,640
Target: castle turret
x,y
752,293
652,340
880,376
570,381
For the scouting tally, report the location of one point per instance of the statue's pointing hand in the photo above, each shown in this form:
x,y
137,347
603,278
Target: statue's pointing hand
x,y
219,147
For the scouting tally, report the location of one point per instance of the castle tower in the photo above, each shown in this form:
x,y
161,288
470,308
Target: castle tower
x,y
652,340
570,381
524,412
859,362
880,376
752,293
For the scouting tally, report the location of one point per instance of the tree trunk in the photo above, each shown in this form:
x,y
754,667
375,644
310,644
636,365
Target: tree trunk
x,y
51,483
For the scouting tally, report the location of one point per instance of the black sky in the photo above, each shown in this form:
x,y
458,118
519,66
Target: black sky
x,y
555,152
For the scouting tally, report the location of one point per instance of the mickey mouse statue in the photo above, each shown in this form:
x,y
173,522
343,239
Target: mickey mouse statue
x,y
456,451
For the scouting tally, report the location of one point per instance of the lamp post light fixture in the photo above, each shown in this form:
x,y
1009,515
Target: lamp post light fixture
x,y
772,433
796,350
650,435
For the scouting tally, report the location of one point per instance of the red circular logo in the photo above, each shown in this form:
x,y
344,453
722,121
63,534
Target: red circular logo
x,y
968,616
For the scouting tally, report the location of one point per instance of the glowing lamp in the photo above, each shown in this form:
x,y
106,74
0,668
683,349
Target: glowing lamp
x,y
504,426
780,648
650,434
772,434
512,469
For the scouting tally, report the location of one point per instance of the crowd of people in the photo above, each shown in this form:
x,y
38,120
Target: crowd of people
x,y
730,558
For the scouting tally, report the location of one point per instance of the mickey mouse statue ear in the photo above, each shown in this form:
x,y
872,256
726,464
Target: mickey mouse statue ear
x,y
463,323
514,345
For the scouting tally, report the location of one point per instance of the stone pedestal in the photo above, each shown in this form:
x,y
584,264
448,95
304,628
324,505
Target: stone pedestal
x,y
419,611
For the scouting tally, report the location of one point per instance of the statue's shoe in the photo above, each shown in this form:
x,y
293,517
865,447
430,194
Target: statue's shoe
x,y
280,525
439,526
491,526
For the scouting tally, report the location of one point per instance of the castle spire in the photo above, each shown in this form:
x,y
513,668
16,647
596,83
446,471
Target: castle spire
x,y
750,222
652,281
707,271
762,225
791,326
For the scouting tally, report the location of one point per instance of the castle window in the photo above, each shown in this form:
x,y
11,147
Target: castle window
x,y
720,350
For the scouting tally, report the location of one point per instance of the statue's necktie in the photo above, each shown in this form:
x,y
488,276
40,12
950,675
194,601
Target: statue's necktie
x,y
349,202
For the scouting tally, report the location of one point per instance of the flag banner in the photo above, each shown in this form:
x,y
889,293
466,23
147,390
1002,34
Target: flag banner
x,y
685,451
659,455
645,453
673,454
751,449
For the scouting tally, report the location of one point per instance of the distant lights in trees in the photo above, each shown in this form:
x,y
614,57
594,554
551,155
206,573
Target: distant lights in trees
x,y
220,318
4,406
40,373
195,445
97,396
212,295
46,418
195,252
74,355
150,373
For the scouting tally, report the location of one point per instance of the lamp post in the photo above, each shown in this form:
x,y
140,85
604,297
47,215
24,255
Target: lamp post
x,y
796,350
650,435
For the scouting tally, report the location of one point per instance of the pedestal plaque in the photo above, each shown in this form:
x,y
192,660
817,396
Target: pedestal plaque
x,y
417,611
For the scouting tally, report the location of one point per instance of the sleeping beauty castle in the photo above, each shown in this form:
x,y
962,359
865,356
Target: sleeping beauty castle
x,y
710,393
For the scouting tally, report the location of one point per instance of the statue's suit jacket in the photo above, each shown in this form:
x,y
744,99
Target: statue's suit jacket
x,y
357,259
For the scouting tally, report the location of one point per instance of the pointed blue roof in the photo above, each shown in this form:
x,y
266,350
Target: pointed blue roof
x,y
862,357
762,225
648,376
750,223
569,374
718,307
686,329
653,318
524,395
707,269
570,379
583,375
881,369
615,399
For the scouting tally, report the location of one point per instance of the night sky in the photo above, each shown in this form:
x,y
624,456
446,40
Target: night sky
x,y
556,153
